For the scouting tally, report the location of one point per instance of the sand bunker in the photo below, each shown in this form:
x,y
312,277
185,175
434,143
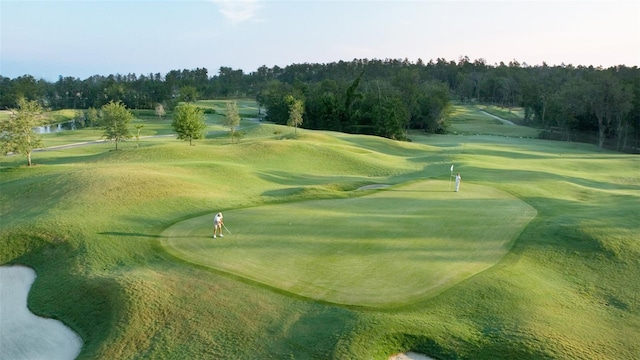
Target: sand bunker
x,y
24,335
410,356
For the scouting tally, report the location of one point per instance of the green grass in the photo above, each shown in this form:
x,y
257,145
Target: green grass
x,y
388,248
246,108
94,224
62,116
151,126
4,115
469,120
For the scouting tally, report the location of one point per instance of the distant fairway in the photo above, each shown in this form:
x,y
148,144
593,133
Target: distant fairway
x,y
391,247
471,120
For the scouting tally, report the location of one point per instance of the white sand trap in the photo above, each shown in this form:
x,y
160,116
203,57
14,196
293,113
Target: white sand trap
x,y
410,356
24,335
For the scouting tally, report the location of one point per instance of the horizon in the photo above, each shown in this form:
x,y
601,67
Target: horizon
x,y
211,75
143,37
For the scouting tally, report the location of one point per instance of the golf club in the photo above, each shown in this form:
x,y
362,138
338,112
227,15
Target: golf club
x,y
225,227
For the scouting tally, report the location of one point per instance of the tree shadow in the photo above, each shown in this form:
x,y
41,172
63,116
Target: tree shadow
x,y
119,233
314,332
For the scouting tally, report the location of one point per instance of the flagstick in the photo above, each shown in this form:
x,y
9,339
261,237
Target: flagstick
x,y
450,176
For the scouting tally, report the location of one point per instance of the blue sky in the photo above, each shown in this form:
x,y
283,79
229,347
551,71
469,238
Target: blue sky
x,y
47,39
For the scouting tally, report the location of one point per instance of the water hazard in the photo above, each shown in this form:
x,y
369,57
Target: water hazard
x,y
47,129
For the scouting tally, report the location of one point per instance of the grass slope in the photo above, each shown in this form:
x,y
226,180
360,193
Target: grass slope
x,y
90,221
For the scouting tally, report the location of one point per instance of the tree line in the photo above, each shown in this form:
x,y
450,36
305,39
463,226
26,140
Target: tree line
x,y
380,97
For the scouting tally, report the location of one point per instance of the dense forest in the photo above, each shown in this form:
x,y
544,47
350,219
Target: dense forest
x,y
379,97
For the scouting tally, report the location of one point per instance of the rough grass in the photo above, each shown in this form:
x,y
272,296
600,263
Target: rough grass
x,y
90,221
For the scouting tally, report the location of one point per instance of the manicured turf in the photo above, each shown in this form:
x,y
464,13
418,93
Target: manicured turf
x,y
92,223
4,115
391,247
469,119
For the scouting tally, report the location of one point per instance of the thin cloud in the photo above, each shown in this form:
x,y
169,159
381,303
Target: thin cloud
x,y
238,11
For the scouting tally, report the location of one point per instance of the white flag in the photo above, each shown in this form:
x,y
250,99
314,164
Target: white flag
x,y
451,168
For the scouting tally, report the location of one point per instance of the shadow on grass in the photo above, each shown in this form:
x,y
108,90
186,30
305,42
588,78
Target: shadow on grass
x,y
419,343
496,176
285,192
289,247
315,333
568,226
297,179
450,189
118,233
86,304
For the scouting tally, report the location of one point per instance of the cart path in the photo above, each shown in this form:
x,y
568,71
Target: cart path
x,y
499,118
67,146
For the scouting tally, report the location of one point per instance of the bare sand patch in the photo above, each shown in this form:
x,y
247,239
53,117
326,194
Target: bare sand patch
x,y
409,356
24,335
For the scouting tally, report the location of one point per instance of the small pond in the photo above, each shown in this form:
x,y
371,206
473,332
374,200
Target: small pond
x,y
54,128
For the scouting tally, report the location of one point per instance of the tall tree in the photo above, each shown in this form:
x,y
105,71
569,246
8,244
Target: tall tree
x,y
434,107
391,118
347,118
630,128
92,116
609,100
188,94
296,108
230,82
138,128
115,120
272,97
232,118
17,133
159,109
188,122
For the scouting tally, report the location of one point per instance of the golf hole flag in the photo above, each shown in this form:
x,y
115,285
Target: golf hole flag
x,y
449,186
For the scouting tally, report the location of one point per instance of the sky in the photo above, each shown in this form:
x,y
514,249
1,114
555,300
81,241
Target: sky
x,y
52,38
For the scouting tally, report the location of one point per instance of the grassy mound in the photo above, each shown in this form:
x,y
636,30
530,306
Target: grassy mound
x,y
92,223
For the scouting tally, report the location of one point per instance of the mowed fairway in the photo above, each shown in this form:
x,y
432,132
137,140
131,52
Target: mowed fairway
x,y
537,257
391,247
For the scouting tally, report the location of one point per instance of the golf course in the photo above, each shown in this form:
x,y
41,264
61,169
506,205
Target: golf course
x,y
335,246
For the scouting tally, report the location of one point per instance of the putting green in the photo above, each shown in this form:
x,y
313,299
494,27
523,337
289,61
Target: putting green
x,y
388,248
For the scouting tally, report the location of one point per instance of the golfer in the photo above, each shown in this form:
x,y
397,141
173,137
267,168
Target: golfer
x,y
458,178
217,225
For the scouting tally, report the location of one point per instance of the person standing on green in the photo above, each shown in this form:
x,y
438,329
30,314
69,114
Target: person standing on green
x,y
458,178
217,225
